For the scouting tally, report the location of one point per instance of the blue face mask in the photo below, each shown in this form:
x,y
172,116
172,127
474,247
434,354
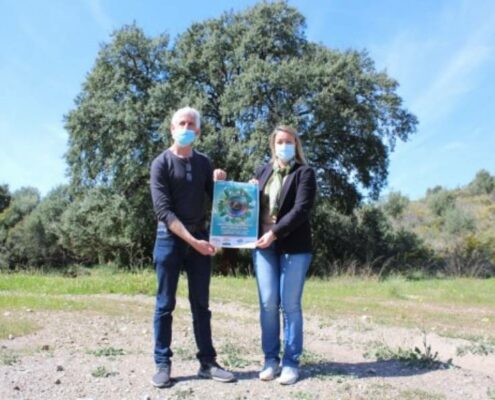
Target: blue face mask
x,y
184,137
285,152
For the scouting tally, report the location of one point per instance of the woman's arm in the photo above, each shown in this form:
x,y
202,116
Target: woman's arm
x,y
305,195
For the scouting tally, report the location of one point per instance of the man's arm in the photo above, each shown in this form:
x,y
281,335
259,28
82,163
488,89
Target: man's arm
x,y
201,246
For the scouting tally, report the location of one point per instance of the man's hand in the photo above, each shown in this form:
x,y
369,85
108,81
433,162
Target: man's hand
x,y
266,240
204,247
219,175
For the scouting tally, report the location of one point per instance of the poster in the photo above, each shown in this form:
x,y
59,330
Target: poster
x,y
234,216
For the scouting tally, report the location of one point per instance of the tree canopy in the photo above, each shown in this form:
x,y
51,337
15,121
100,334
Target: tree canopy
x,y
246,72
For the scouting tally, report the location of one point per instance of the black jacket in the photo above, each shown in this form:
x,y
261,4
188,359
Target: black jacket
x,y
292,227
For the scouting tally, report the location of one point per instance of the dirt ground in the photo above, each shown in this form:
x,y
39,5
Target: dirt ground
x,y
107,355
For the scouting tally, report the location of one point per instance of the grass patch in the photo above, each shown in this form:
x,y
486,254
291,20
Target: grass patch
x,y
477,348
99,280
418,394
384,391
417,358
15,301
231,356
16,326
303,396
108,352
102,372
185,353
308,357
183,393
338,375
394,301
8,357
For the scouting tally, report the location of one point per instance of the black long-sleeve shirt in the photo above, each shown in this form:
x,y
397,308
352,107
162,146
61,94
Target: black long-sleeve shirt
x,y
178,190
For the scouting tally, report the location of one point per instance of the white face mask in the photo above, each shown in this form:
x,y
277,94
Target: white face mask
x,y
285,152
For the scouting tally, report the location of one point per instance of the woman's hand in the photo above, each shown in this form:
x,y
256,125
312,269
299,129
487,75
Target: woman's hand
x,y
255,181
219,175
266,240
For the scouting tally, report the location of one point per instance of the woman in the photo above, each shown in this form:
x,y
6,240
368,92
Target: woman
x,y
287,189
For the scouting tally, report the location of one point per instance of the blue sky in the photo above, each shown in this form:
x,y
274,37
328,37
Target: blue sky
x,y
441,52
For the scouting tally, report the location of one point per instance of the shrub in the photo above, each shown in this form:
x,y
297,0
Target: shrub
x,y
467,259
396,203
441,201
458,222
483,183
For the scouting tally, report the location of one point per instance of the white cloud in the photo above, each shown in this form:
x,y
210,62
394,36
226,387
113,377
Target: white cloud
x,y
453,146
99,15
440,66
455,79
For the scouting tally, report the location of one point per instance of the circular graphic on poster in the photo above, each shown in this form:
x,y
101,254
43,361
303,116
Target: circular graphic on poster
x,y
235,205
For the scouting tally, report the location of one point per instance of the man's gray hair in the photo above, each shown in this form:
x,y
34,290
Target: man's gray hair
x,y
187,111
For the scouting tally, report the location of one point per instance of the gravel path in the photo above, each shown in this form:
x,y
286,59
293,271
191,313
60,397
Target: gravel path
x,y
107,355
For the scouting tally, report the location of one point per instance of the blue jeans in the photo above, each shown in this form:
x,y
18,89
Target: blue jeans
x,y
280,279
171,254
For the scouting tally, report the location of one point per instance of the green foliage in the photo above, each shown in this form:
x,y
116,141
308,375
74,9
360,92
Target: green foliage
x,y
246,72
5,197
362,242
458,222
396,203
102,372
35,240
419,358
8,357
430,303
23,201
252,70
483,183
232,356
458,228
440,201
95,227
478,348
114,133
468,257
111,352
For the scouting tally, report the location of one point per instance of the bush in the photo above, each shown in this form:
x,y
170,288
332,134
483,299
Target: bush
x,y
483,183
396,203
34,240
440,201
362,243
458,222
468,257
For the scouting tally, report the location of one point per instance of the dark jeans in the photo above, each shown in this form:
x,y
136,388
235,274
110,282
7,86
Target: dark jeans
x,y
170,255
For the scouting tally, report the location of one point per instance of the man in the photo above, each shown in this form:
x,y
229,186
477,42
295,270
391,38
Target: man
x,y
180,178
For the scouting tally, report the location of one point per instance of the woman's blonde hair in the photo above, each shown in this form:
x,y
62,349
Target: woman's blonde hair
x,y
291,131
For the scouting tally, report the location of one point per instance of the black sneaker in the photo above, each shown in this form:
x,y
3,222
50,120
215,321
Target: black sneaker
x,y
161,379
214,371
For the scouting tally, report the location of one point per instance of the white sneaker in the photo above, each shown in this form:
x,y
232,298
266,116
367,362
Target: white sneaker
x,y
270,370
289,376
